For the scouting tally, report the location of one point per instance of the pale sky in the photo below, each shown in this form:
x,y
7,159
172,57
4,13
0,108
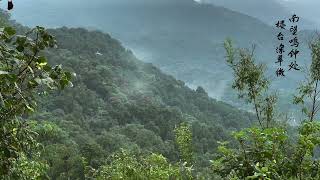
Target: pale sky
x,y
305,8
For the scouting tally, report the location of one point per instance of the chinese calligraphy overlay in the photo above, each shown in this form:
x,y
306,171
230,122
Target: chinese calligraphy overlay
x,y
293,42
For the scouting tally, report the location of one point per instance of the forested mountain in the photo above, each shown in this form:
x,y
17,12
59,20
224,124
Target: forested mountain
x,y
268,11
119,101
181,37
79,105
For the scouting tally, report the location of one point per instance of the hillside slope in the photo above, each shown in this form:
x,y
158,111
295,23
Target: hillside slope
x,y
118,102
181,37
267,11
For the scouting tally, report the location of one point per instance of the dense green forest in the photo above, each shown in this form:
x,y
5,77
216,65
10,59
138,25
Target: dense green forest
x,y
76,104
187,40
120,102
117,101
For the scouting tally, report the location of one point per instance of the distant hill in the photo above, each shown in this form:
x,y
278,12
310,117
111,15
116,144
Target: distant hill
x,y
118,101
117,96
268,11
182,37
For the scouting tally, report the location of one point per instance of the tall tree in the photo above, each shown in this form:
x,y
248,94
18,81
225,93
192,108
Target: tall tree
x,y
311,89
250,81
24,74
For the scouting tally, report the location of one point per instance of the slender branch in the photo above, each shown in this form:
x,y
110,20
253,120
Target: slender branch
x,y
34,55
317,109
314,101
257,112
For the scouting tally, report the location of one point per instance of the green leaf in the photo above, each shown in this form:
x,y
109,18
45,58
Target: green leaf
x,y
42,61
21,40
29,108
10,31
68,75
64,83
20,48
31,70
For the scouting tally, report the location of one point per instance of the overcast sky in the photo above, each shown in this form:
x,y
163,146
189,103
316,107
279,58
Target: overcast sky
x,y
268,9
305,8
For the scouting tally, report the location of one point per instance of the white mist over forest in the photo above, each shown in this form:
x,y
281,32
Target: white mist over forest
x,y
182,37
159,89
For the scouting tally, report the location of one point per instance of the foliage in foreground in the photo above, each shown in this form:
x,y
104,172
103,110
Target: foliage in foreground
x,y
24,73
67,149
267,152
124,165
119,102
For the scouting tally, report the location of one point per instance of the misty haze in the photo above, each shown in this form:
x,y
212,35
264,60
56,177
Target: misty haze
x,y
160,89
